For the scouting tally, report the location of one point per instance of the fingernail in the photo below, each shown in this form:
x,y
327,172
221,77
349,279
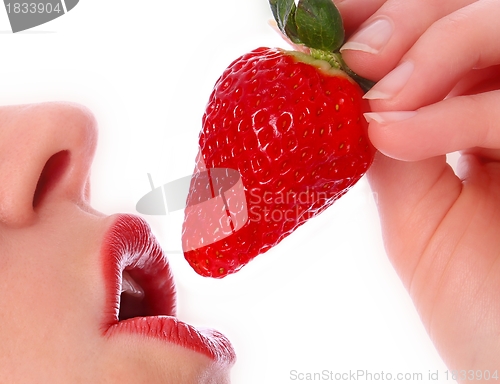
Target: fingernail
x,y
389,117
373,38
392,83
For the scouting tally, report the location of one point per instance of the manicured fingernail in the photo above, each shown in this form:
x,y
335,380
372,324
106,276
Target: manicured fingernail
x,y
373,38
389,117
392,83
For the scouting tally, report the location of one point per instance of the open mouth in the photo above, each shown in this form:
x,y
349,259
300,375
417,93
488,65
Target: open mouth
x,y
132,303
140,292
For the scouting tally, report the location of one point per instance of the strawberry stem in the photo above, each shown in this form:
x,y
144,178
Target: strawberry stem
x,y
335,60
316,24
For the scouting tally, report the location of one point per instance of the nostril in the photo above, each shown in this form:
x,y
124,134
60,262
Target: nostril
x,y
51,173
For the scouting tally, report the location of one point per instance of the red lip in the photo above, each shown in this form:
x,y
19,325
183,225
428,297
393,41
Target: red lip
x,y
129,245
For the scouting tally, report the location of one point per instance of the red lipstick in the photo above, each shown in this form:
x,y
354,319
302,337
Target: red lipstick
x,y
140,292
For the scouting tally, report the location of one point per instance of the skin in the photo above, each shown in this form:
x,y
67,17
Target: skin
x,y
440,225
51,282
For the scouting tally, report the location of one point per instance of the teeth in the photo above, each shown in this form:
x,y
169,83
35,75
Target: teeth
x,y
130,286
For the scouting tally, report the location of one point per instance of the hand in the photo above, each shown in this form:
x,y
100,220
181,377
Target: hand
x,y
441,228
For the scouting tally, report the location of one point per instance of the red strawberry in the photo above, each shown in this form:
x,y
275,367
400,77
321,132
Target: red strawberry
x,y
292,126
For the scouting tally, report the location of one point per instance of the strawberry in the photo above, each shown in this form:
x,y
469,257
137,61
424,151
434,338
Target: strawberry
x,y
291,125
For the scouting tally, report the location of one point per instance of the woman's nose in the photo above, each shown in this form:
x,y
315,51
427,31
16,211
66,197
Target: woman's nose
x,y
45,154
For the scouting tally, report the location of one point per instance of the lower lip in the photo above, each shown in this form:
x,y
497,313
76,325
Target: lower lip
x,y
129,242
207,342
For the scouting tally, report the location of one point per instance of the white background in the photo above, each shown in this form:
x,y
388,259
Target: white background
x,y
326,298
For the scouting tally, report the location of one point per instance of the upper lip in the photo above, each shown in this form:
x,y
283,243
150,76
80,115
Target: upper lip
x,y
129,245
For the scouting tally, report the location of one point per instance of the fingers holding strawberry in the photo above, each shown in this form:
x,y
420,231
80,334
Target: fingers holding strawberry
x,y
447,51
451,110
388,33
441,229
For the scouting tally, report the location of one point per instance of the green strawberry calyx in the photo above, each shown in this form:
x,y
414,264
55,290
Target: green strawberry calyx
x,y
316,24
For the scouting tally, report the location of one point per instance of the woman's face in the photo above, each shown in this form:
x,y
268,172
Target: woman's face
x,y
83,297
